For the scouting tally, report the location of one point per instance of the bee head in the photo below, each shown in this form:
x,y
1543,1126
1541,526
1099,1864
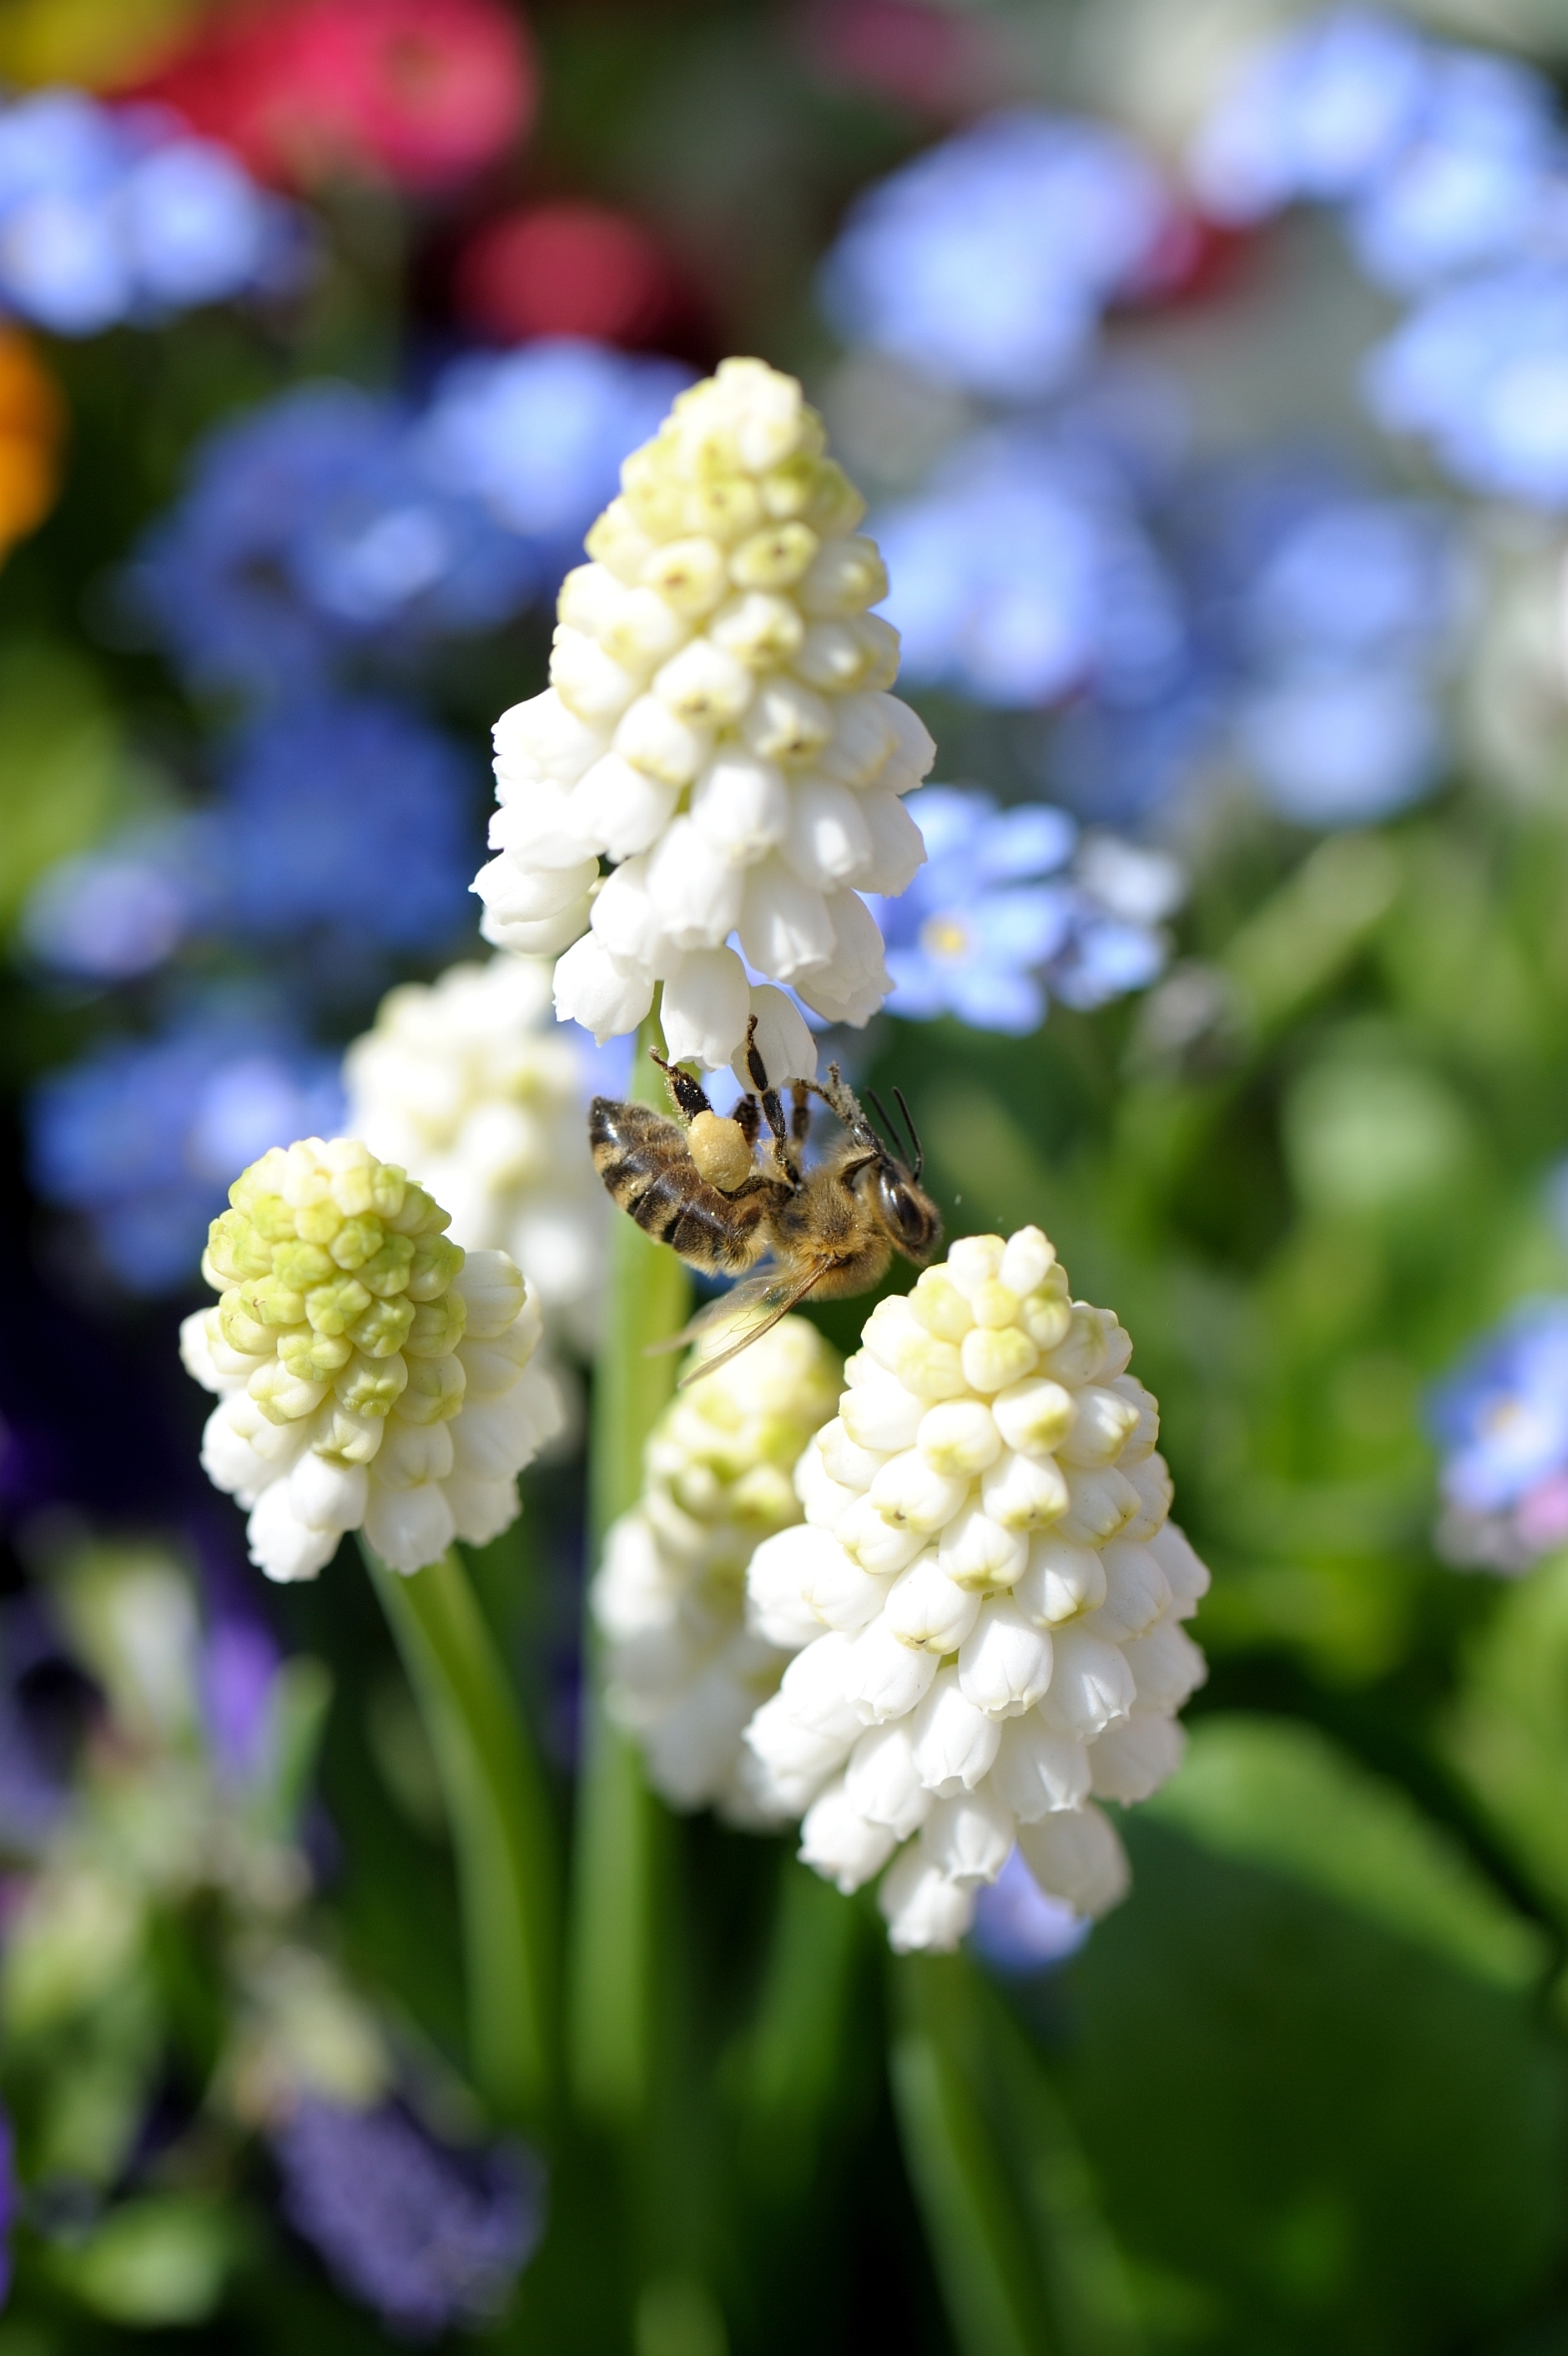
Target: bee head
x,y
906,1210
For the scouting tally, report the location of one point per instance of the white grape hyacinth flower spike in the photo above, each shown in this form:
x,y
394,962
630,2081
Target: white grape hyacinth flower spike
x,y
984,1601
370,1375
684,1673
470,1080
717,757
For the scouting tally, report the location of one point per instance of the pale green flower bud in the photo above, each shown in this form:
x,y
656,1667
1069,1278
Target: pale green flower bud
x,y
686,1673
351,1317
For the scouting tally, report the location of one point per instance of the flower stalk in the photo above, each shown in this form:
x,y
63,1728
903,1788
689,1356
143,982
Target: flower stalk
x,y
495,1810
614,1875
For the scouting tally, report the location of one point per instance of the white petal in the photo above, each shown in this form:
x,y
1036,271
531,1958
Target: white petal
x,y
816,1689
285,1547
882,1780
625,921
695,889
775,1604
621,806
492,1291
1077,1857
654,738
1090,1684
786,720
1131,1759
741,805
1166,1665
978,1552
923,1910
481,1509
841,1845
898,848
925,1608
542,738
956,1744
705,1003
1037,1771
886,1679
878,1546
1004,1664
598,990
328,1495
783,1041
1188,1577
1136,1592
828,836
852,983
784,925
409,1527
969,1838
1064,1579
413,1453
587,679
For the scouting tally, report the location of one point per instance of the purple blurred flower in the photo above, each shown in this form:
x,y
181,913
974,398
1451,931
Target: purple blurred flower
x,y
428,2237
239,1666
989,259
1019,1927
1502,1422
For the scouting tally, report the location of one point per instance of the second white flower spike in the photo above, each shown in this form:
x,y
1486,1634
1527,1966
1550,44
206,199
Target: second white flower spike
x,y
718,726
985,1604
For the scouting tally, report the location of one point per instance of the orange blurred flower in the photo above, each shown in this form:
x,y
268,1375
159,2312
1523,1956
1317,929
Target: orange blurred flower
x,y
31,428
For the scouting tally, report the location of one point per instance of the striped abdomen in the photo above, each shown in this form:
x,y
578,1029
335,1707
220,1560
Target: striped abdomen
x,y
641,1157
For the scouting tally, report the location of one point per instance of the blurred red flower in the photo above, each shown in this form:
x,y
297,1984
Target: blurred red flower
x,y
565,268
419,92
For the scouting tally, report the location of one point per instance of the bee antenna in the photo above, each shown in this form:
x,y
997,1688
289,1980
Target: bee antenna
x,y
891,1133
908,1123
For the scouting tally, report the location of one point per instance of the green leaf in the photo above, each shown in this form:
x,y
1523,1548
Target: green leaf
x,y
1311,2131
1509,1729
500,1828
1272,1792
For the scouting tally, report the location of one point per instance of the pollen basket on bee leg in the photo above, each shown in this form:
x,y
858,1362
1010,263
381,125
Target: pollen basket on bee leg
x,y
720,1150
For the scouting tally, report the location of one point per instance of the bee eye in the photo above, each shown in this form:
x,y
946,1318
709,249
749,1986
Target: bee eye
x,y
902,1210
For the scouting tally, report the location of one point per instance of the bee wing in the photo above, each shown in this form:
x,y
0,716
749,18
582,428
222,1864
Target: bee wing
x,y
754,1308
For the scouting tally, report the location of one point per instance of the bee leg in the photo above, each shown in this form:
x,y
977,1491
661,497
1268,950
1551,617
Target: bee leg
x,y
800,1115
747,1117
690,1096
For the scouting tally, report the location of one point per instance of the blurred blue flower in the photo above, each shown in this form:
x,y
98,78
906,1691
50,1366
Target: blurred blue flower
x,y
990,260
1019,1927
308,530
1481,176
427,2236
143,1137
1502,1422
349,817
995,922
110,914
1331,616
114,213
332,520
1313,113
1481,372
1022,571
537,435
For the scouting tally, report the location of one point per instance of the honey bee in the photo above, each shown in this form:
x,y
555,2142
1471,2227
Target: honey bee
x,y
698,1184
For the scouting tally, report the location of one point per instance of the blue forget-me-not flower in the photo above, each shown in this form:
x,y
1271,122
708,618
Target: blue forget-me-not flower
x,y
1002,917
142,1137
1501,1423
118,214
989,260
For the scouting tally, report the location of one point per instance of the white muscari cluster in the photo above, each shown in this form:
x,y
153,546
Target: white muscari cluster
x,y
471,1081
984,1600
370,1374
684,1673
718,727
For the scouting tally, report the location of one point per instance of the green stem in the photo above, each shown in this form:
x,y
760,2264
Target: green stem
x,y
615,1873
500,1828
979,2234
